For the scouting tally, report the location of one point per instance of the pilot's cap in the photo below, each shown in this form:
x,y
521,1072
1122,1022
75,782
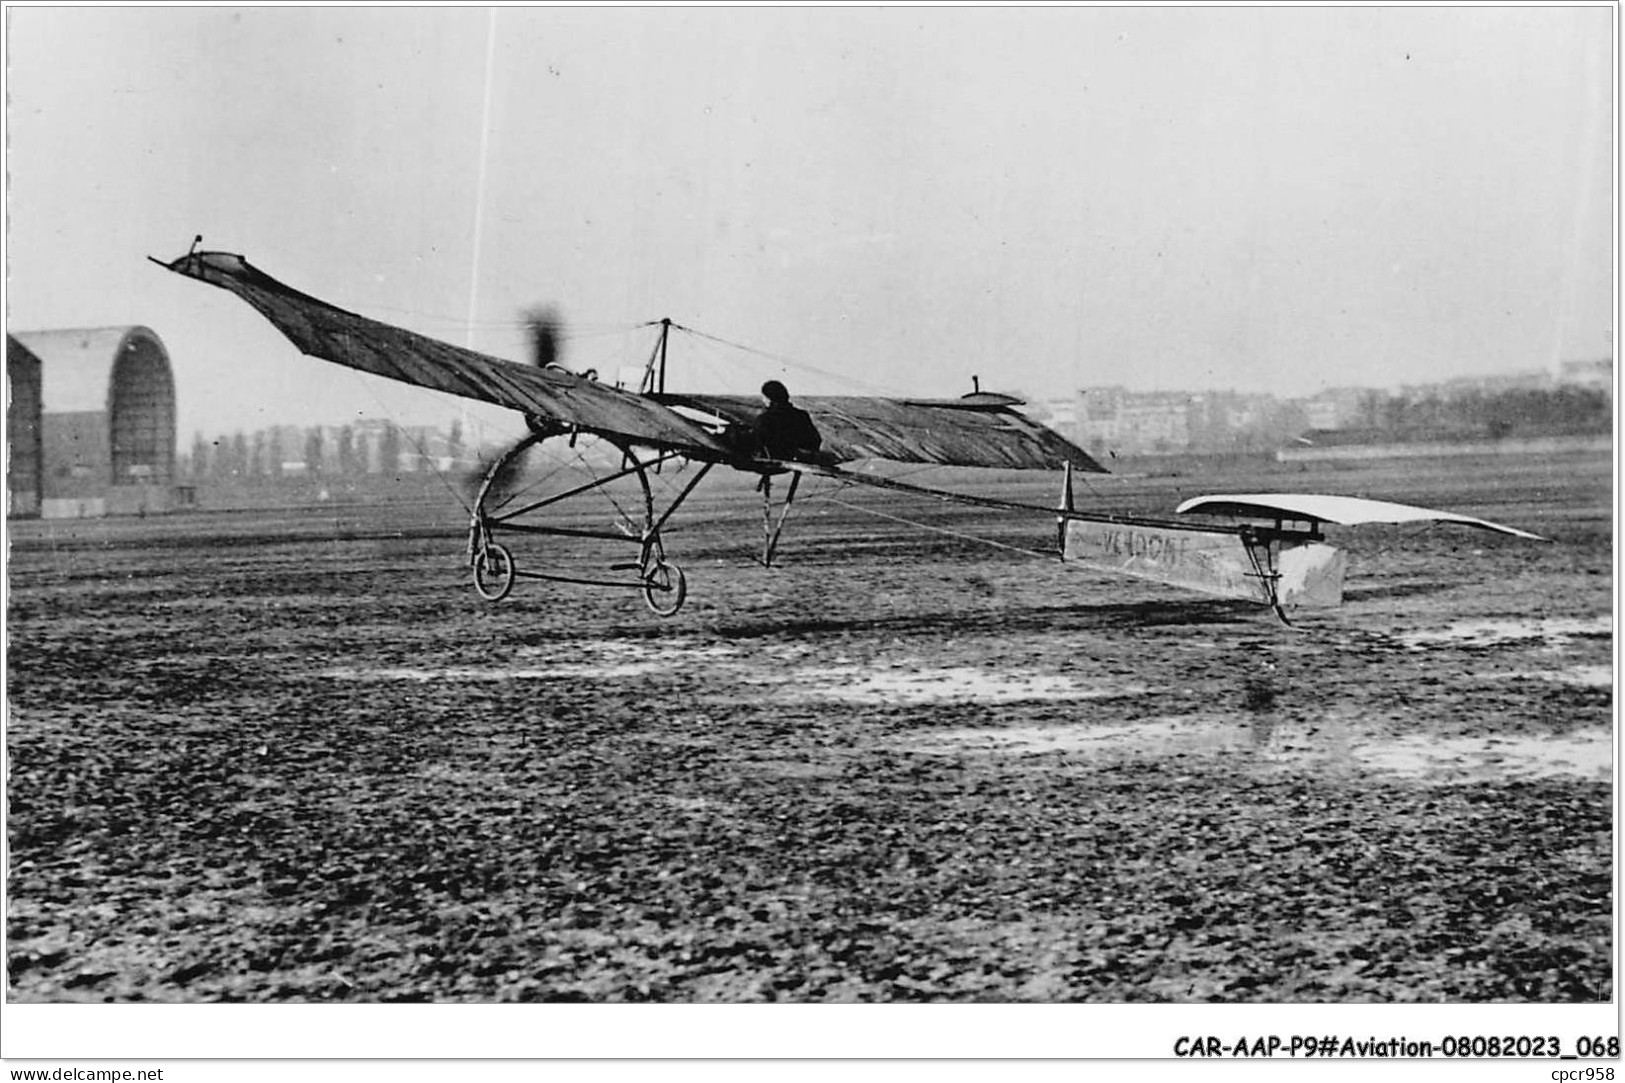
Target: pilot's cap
x,y
775,392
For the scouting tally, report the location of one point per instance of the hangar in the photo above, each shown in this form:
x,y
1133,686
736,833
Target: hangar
x,y
91,423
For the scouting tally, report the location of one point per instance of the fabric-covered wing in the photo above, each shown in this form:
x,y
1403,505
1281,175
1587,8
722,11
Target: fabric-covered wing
x,y
1342,510
332,334
977,431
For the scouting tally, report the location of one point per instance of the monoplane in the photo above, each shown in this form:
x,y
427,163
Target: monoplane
x,y
1266,548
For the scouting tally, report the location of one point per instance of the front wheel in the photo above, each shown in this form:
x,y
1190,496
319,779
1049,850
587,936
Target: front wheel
x,y
664,588
493,573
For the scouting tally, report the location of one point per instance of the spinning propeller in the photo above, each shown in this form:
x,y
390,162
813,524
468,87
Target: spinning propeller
x,y
543,329
543,333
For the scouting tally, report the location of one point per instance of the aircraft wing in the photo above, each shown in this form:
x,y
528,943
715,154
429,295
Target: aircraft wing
x,y
979,430
332,334
1342,510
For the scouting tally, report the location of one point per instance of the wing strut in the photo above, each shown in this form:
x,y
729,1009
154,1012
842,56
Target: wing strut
x,y
1067,505
770,528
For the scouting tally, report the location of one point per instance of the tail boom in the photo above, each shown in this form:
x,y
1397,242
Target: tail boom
x,y
1281,569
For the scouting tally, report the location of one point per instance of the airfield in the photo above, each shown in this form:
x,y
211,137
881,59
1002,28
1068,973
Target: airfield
x,y
291,756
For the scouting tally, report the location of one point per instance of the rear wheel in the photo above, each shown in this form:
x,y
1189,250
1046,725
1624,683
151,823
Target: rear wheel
x,y
664,588
493,573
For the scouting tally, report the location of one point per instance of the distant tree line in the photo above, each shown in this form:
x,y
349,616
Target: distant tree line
x,y
318,452
1565,410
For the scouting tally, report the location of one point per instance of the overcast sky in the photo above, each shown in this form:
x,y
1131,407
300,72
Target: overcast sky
x,y
885,201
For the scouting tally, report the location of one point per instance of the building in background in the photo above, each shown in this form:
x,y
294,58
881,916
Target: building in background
x,y
1116,420
1059,414
1335,408
25,461
101,431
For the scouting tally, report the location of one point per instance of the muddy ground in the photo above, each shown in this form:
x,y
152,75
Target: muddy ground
x,y
293,758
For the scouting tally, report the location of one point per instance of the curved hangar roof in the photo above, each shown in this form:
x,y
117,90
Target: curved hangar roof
x,y
87,369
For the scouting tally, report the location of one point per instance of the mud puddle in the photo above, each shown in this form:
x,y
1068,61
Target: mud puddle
x,y
1583,754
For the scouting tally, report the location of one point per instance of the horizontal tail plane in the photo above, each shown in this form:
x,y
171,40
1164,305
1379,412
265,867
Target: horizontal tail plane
x,y
1339,510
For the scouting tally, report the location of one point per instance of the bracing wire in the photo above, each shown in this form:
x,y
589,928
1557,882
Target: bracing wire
x,y
832,497
781,359
425,457
667,488
420,448
574,333
604,489
943,530
560,465
813,497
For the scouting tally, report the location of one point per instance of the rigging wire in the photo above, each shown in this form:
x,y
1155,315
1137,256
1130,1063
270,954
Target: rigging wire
x,y
781,359
602,487
576,333
814,496
557,464
944,530
667,488
420,448
425,457
832,496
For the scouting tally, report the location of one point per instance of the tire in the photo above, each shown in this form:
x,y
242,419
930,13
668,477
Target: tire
x,y
493,573
665,588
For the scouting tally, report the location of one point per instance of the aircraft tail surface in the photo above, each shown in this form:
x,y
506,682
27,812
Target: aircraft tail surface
x,y
1285,572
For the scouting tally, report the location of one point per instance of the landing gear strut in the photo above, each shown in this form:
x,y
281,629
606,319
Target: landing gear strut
x,y
662,583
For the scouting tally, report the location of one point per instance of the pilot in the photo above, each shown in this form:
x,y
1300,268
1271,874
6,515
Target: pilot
x,y
783,431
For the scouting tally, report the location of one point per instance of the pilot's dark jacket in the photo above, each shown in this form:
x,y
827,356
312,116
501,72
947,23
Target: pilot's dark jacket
x,y
785,432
